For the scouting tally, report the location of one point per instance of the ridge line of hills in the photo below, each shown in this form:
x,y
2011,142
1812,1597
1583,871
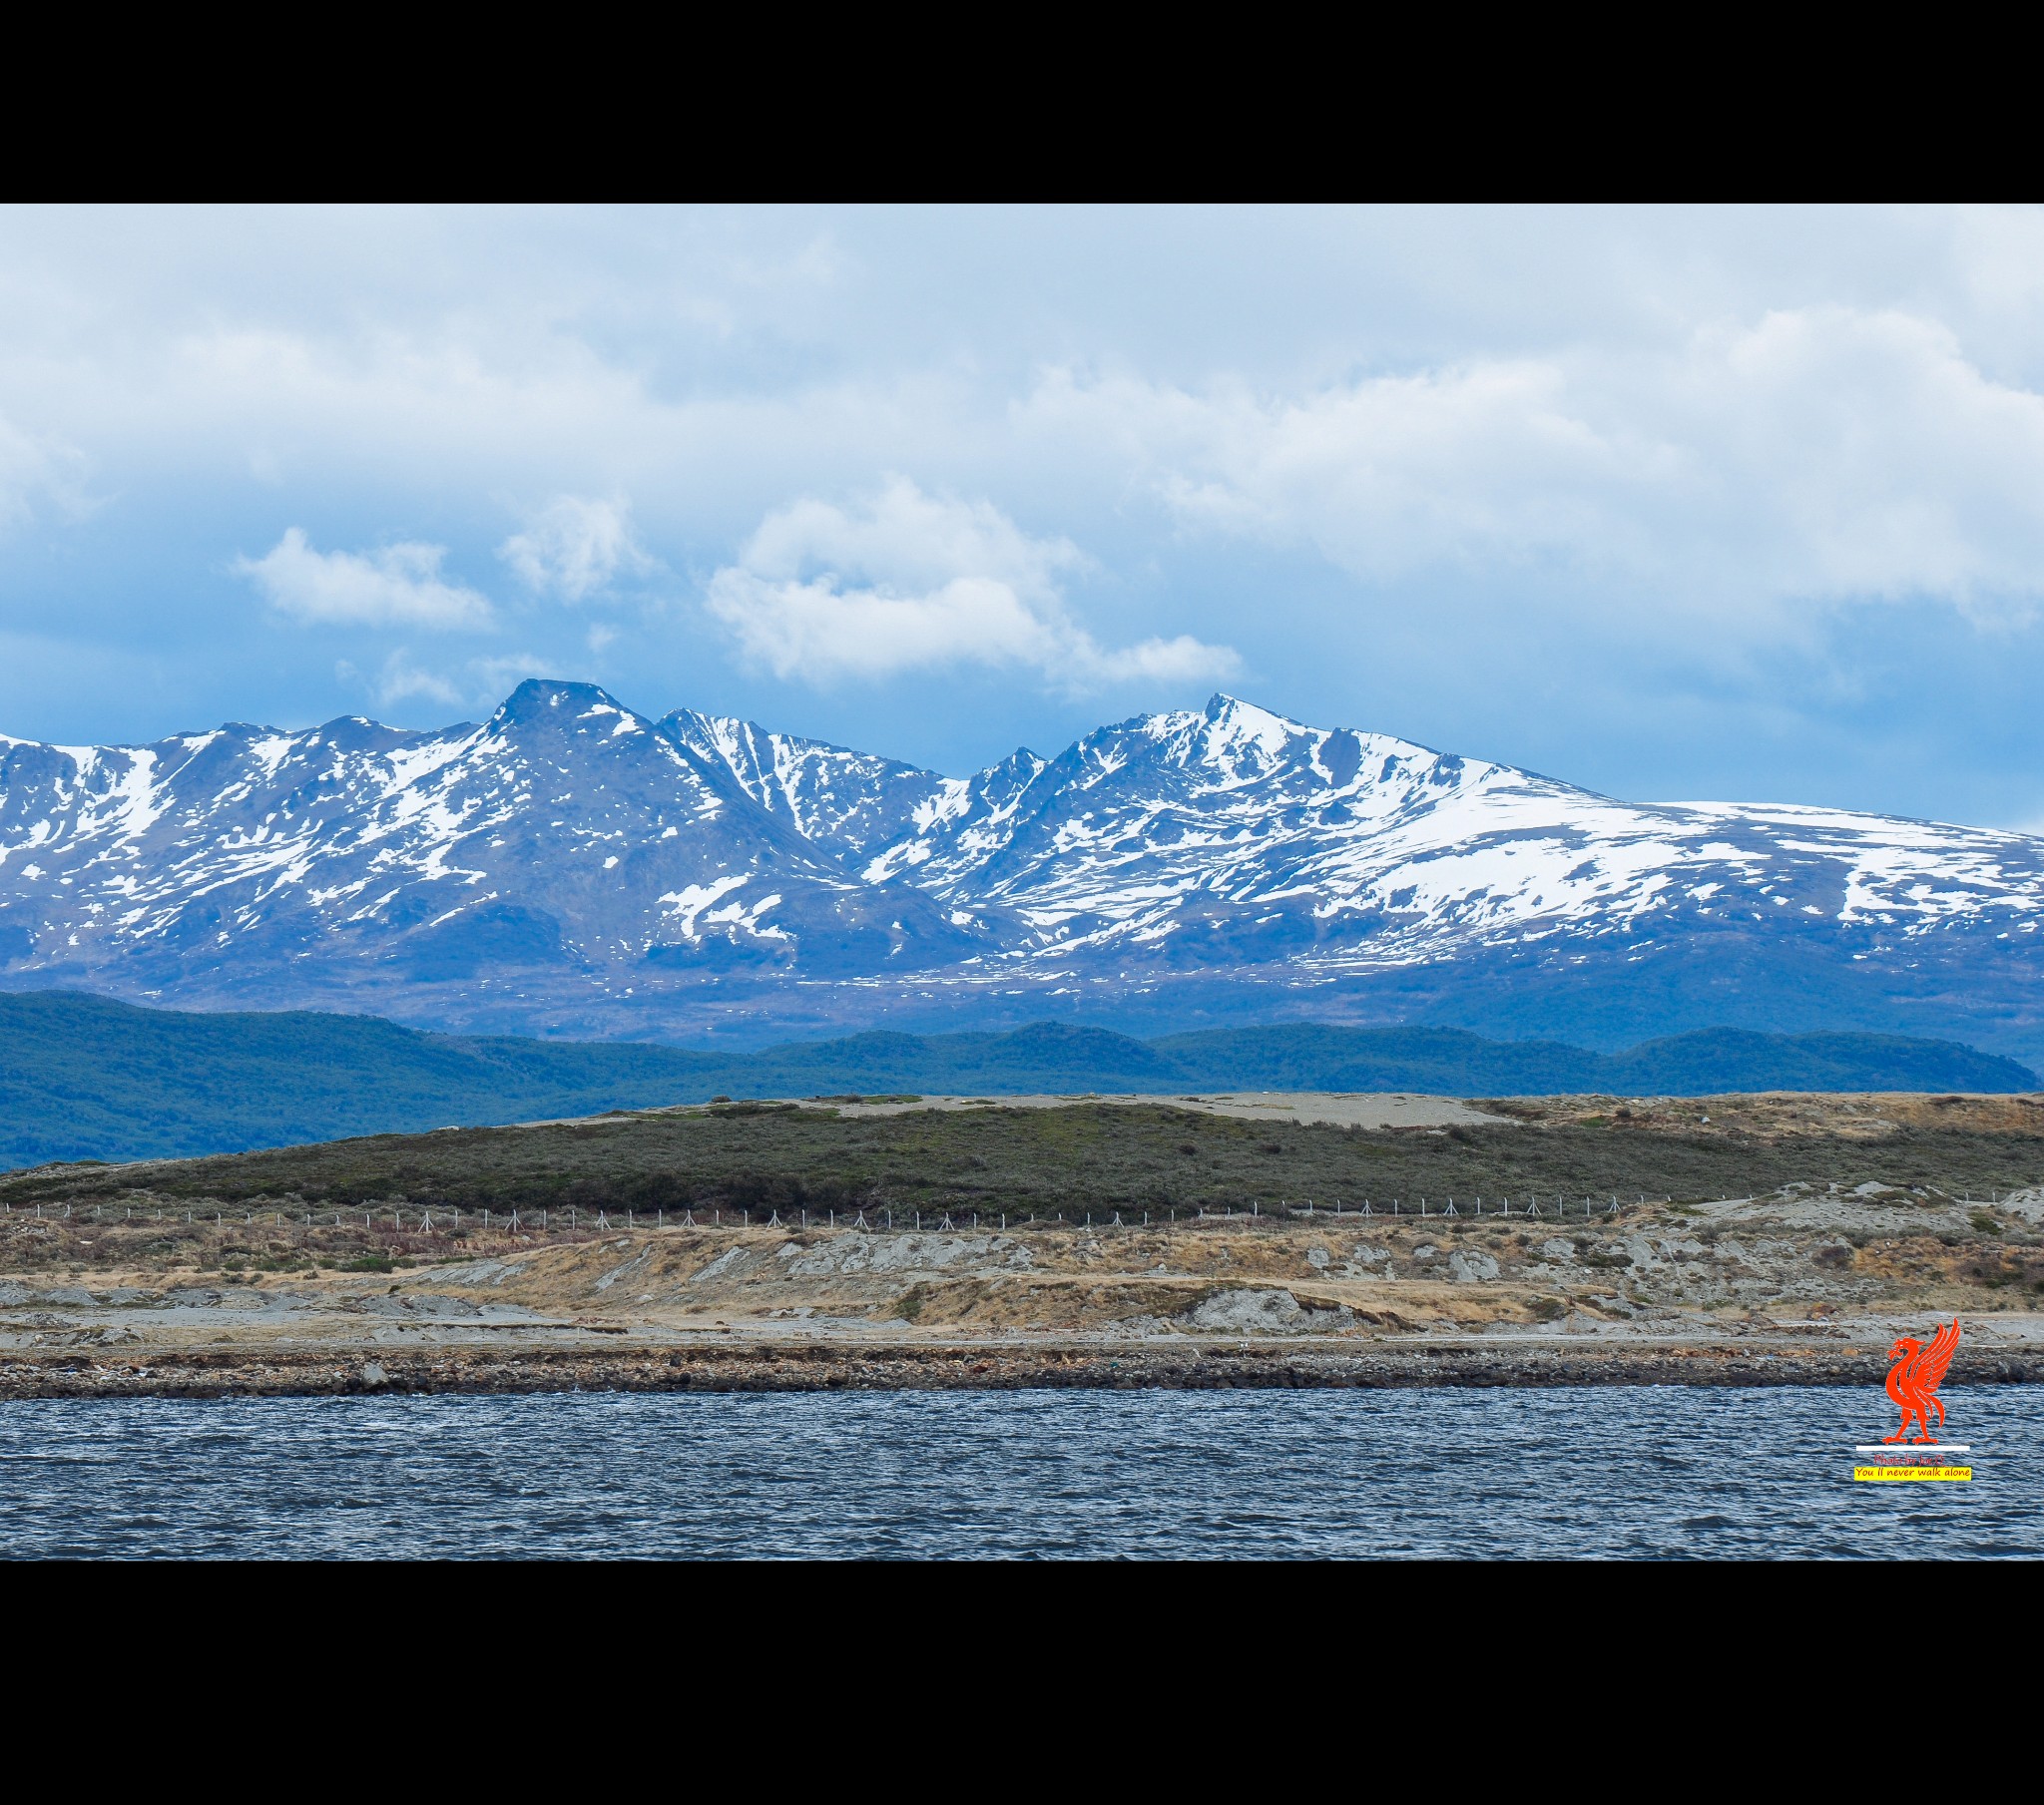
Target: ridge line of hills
x,y
87,1077
572,868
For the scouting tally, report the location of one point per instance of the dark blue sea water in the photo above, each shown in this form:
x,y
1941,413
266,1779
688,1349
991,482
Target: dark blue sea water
x,y
1630,1472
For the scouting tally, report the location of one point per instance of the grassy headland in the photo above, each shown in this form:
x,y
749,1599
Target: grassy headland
x,y
1100,1157
1085,1242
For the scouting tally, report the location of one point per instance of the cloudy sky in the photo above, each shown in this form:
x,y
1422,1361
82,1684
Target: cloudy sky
x,y
1743,505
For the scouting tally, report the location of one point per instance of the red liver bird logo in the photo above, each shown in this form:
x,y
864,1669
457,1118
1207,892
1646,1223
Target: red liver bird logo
x,y
1913,1380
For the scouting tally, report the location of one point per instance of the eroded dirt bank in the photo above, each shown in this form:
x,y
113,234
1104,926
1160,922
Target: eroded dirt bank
x,y
756,1367
1790,1289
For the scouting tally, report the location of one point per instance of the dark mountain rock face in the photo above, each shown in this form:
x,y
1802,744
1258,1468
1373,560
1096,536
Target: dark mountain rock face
x,y
570,864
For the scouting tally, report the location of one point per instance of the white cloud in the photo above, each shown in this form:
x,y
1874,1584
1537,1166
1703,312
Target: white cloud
x,y
32,471
478,684
398,586
22,469
494,679
908,580
574,548
401,680
1811,456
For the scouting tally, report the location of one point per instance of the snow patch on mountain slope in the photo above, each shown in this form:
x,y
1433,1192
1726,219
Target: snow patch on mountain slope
x,y
685,905
413,765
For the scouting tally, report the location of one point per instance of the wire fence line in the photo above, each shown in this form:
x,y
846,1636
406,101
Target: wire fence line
x,y
446,1220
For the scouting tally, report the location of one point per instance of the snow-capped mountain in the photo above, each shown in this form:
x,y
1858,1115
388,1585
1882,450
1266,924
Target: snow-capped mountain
x,y
571,863
1235,833
564,835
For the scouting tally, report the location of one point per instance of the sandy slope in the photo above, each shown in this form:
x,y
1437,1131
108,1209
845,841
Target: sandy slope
x,y
1336,1109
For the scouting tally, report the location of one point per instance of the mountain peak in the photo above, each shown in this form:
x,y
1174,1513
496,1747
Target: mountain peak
x,y
582,710
536,696
1238,719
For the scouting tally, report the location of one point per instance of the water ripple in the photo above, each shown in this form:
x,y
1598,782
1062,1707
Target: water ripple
x,y
1651,1471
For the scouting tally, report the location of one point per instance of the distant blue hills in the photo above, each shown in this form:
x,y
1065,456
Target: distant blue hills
x,y
86,1078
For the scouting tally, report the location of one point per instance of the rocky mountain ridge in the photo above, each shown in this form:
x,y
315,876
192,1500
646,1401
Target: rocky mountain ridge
x,y
571,864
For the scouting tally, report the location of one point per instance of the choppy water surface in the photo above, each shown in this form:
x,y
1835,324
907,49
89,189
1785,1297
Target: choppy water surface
x,y
1642,1471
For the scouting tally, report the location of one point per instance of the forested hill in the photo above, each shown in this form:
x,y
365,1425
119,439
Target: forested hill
x,y
85,1077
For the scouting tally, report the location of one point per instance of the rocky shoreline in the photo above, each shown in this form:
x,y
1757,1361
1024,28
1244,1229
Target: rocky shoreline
x,y
922,1367
1807,1287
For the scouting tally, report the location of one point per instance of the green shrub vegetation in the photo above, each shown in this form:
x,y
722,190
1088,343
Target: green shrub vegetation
x,y
1078,1160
